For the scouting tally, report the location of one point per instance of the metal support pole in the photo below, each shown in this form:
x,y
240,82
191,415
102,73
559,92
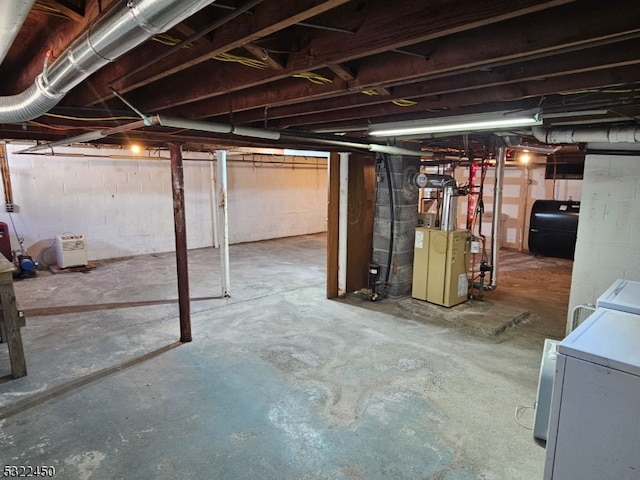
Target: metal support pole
x,y
223,221
496,223
343,224
177,181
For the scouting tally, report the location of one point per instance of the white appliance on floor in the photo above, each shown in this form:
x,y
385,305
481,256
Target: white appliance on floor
x,y
623,295
594,423
71,251
545,389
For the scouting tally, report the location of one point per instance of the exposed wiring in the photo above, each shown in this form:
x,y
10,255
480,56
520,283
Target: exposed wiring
x,y
90,119
169,40
313,78
246,61
517,415
603,90
401,102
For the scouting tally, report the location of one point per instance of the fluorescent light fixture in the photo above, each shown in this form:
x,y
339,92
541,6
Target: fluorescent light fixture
x,y
456,124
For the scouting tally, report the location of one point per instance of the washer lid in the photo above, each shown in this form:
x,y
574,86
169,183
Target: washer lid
x,y
609,338
623,295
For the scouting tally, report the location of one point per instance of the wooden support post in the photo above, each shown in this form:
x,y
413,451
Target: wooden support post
x,y
10,321
177,180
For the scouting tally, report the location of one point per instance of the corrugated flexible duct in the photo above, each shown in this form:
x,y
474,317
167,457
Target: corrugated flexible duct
x,y
13,16
121,29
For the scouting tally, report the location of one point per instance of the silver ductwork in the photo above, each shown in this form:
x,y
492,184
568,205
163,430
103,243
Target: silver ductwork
x,y
564,135
120,30
13,16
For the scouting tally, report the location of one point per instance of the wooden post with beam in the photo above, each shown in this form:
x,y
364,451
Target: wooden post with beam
x,y
10,320
177,181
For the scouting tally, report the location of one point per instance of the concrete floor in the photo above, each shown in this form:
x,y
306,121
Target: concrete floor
x,y
279,383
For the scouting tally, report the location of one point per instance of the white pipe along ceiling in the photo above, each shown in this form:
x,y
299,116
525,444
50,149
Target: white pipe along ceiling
x,y
565,135
111,36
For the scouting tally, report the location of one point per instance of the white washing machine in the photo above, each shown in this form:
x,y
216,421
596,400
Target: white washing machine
x,y
594,422
622,295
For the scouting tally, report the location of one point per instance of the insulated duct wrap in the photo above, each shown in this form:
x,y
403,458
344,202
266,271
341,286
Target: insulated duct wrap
x,y
586,135
120,30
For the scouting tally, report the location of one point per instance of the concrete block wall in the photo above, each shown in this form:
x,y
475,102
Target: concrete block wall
x,y
405,198
282,199
124,206
608,245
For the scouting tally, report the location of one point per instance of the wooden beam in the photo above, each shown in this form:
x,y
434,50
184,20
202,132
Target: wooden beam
x,y
505,44
64,34
514,91
182,259
332,225
69,10
600,58
10,321
264,56
405,22
268,17
343,72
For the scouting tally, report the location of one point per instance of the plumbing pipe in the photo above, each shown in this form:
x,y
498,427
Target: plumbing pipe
x,y
630,134
343,223
226,129
112,35
497,214
215,240
223,229
449,204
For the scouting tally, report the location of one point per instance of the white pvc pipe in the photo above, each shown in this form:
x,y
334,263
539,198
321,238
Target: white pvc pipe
x,y
213,199
343,224
561,135
496,223
223,224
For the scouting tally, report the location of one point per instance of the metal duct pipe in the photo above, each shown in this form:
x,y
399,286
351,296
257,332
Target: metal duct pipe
x,y
434,181
120,30
584,135
13,16
497,213
449,207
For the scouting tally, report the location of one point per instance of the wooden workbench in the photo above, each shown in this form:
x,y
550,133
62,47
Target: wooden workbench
x,y
10,320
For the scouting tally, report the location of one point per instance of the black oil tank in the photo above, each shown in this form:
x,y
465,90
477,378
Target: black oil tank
x,y
553,228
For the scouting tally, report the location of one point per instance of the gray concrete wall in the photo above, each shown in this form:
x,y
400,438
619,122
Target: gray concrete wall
x,y
405,199
608,245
